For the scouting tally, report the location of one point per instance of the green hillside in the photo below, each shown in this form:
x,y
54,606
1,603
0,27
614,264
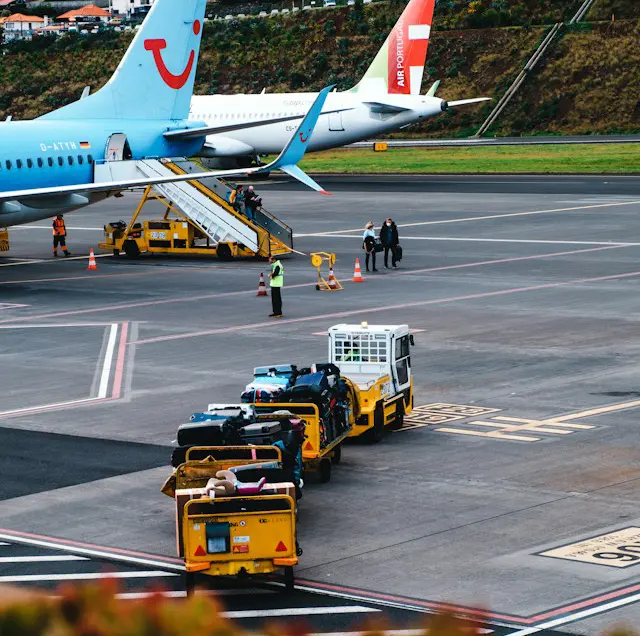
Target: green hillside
x,y
587,84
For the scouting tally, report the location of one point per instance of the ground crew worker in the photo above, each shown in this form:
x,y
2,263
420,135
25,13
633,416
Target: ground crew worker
x,y
60,236
276,280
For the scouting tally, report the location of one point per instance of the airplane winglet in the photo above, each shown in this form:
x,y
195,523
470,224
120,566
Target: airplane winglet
x,y
298,144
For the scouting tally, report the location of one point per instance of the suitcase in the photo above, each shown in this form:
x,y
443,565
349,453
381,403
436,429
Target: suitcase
x,y
398,252
207,433
261,433
179,455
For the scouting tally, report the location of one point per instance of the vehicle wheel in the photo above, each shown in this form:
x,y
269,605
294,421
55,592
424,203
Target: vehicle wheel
x,y
289,579
324,471
131,249
337,455
116,252
224,252
375,434
317,287
190,583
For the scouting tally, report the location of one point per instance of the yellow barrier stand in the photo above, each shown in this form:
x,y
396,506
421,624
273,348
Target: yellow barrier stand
x,y
331,283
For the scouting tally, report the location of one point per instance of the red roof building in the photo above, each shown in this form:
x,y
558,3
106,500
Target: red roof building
x,y
88,13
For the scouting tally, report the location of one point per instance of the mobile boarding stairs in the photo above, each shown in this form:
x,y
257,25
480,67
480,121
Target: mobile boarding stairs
x,y
205,210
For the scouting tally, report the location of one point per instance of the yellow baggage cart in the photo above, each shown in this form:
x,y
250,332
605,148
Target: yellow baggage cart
x,y
203,462
321,448
240,536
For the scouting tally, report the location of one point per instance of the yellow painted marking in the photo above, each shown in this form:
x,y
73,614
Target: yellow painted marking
x,y
599,411
492,434
462,410
533,425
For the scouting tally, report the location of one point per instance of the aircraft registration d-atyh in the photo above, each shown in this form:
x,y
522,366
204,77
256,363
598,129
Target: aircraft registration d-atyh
x,y
386,98
47,165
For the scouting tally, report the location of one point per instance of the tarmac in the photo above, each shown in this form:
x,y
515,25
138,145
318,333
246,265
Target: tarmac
x,y
522,294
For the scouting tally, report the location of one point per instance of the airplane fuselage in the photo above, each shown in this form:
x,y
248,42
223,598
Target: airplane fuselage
x,y
361,116
53,153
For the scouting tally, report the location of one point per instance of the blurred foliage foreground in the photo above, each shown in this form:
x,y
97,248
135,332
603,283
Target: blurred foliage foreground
x,y
95,610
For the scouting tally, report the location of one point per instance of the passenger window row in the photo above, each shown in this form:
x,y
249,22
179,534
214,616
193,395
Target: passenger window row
x,y
41,162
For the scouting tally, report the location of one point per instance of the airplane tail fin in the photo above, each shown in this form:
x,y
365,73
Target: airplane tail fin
x,y
154,79
399,65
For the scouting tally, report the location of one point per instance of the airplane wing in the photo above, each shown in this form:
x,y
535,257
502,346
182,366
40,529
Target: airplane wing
x,y
380,107
185,133
286,160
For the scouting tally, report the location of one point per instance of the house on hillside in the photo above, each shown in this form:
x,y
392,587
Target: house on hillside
x,y
87,15
131,8
21,27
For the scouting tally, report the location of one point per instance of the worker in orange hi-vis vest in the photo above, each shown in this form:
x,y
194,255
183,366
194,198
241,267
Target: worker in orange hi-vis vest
x,y
60,236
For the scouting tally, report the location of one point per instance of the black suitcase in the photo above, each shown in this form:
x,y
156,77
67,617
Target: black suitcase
x,y
207,433
398,251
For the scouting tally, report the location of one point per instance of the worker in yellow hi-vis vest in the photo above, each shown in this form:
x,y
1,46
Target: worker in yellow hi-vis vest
x,y
276,280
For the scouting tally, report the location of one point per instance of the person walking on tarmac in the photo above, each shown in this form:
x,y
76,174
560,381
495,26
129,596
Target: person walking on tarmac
x,y
276,280
369,245
390,241
60,236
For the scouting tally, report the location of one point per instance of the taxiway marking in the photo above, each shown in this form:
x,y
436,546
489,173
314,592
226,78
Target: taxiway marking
x,y
84,576
107,366
485,217
492,240
378,308
108,358
42,559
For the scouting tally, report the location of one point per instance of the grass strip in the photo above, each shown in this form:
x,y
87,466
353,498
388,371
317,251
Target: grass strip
x,y
559,159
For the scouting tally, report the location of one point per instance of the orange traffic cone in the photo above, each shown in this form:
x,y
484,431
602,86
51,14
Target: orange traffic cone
x,y
92,260
333,283
262,288
357,274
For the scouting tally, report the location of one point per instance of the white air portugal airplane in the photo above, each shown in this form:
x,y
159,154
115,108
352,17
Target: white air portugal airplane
x,y
242,127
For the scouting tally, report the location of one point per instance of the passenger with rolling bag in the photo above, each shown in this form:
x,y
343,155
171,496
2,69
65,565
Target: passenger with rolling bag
x,y
391,243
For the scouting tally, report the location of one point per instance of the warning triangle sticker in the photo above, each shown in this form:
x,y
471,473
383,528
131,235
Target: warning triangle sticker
x,y
308,446
281,547
199,551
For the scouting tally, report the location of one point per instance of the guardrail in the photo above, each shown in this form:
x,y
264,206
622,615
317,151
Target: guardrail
x,y
511,91
529,66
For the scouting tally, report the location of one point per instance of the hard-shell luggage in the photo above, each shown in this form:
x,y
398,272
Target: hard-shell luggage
x,y
261,433
207,433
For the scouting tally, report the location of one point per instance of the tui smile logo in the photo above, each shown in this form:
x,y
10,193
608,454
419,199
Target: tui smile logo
x,y
156,46
303,138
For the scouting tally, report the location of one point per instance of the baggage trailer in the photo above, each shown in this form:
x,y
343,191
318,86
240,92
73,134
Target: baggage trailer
x,y
240,536
318,452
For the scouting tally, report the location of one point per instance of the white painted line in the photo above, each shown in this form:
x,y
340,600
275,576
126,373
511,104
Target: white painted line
x,y
58,325
85,576
4,543
42,559
91,552
46,406
491,240
398,632
182,593
54,260
485,217
577,616
108,359
48,227
300,611
134,596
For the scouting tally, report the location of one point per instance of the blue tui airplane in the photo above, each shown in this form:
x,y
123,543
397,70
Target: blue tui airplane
x,y
47,164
